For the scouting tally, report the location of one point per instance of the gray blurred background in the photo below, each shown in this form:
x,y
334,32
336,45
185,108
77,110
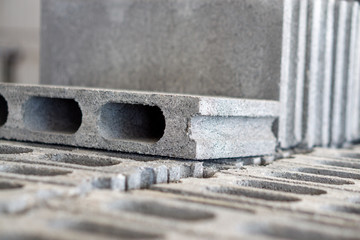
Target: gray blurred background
x,y
19,40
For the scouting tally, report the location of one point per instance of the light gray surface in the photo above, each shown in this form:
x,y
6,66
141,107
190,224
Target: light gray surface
x,y
312,196
185,126
341,74
331,20
315,72
90,169
300,76
353,96
289,62
222,48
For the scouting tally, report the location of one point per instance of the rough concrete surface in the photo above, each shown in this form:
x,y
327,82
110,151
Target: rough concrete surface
x,y
303,53
289,61
185,126
341,74
220,48
313,196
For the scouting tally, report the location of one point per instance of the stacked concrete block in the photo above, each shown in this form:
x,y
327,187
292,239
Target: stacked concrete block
x,y
184,126
326,82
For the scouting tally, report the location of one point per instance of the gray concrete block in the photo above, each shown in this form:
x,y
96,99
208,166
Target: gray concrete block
x,y
289,62
300,75
331,19
319,190
353,86
356,74
222,48
184,126
89,170
315,72
341,73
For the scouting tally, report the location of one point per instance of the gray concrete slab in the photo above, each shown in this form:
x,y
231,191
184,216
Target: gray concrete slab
x,y
218,48
184,126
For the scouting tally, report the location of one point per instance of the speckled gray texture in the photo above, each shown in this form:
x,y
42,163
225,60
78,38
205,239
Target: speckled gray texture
x,y
219,48
288,75
315,72
313,196
185,126
341,74
327,100
353,87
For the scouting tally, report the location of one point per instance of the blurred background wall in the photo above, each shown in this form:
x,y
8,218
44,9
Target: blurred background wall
x,y
19,40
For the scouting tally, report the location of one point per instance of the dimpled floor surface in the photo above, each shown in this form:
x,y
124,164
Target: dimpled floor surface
x,y
49,192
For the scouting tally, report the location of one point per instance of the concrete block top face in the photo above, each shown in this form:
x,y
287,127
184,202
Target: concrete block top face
x,y
220,48
173,125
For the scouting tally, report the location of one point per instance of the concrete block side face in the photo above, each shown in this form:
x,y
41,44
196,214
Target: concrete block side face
x,y
288,73
146,123
218,48
37,121
210,106
341,73
232,137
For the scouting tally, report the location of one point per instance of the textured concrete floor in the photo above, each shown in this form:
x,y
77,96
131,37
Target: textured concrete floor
x,y
49,192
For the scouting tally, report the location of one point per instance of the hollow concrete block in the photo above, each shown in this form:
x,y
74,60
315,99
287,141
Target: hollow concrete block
x,y
184,126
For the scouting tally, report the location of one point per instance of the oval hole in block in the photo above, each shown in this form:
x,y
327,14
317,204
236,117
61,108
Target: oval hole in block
x,y
311,178
83,160
133,122
326,172
33,170
262,195
152,208
52,115
281,187
4,111
9,185
14,150
101,230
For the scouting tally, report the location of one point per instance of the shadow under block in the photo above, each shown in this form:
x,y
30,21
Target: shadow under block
x,y
173,125
218,48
